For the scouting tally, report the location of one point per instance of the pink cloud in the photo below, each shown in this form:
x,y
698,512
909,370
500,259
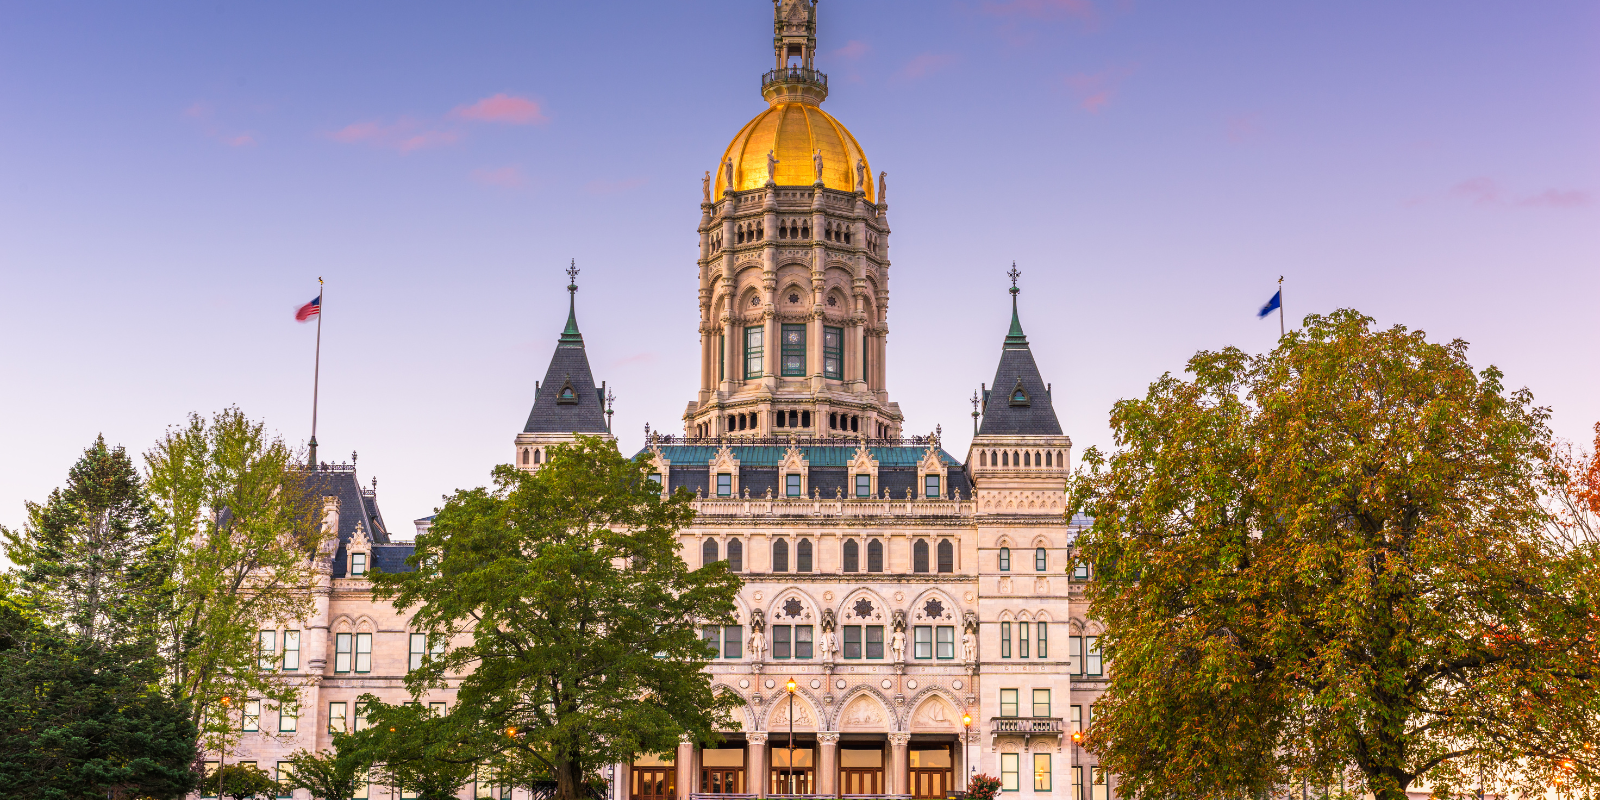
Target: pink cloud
x,y
852,50
404,134
503,108
1096,91
1558,198
924,65
1041,9
510,177
1483,191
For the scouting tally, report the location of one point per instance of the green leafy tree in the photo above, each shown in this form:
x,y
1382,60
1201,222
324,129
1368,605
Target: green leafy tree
x,y
331,774
420,752
242,531
1334,558
82,719
90,555
584,645
243,782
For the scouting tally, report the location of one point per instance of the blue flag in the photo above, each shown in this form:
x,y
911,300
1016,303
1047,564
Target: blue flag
x,y
1272,305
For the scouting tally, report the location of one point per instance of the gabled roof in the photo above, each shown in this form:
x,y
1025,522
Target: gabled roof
x,y
1018,404
356,505
568,400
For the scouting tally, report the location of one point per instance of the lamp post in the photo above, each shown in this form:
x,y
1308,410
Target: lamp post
x,y
966,745
791,686
222,754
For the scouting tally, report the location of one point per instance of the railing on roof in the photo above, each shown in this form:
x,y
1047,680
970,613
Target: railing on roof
x,y
785,441
326,467
844,507
794,75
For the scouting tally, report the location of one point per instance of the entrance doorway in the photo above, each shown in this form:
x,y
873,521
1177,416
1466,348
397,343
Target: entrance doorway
x,y
654,778
796,778
722,771
861,770
930,771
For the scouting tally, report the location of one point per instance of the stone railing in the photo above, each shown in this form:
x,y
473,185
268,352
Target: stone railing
x,y
864,508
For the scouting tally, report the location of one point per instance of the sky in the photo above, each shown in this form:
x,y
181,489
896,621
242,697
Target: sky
x,y
174,178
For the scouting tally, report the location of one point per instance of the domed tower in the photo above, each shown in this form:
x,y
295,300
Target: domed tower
x,y
794,267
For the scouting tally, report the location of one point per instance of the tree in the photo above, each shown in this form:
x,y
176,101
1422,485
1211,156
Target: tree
x,y
243,534
243,782
420,752
1575,492
90,555
328,775
79,718
1334,557
584,645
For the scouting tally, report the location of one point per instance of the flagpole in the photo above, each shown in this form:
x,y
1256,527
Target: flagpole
x,y
1280,328
316,377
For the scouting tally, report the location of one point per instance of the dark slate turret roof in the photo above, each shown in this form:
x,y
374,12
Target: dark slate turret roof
x,y
357,505
554,409
1004,413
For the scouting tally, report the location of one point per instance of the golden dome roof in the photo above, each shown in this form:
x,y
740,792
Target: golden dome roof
x,y
793,131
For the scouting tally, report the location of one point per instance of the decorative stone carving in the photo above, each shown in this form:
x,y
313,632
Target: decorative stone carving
x,y
729,167
705,188
816,164
899,739
863,713
861,175
772,169
883,187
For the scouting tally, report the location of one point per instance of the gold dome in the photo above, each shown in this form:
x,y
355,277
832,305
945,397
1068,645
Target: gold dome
x,y
793,131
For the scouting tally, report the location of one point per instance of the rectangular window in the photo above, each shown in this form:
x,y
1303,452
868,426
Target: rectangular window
x,y
794,351
1005,559
782,645
946,641
832,353
341,652
358,563
336,719
266,650
791,485
283,775
251,720
361,716
1005,640
1008,771
363,652
852,641
1041,638
724,484
712,636
655,478
866,347
419,649
722,357
1077,783
291,649
208,770
1074,719
732,641
802,641
1075,653
930,487
1080,571
863,486
1022,640
436,709
1041,561
874,641
1041,772
1008,702
1098,790
752,353
288,717
922,641
1091,654
1041,702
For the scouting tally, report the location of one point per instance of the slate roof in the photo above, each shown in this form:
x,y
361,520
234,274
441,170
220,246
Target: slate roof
x,y
357,505
584,411
828,469
1003,415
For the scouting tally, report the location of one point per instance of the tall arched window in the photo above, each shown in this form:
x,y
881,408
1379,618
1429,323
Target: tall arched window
x,y
983,458
1047,458
735,556
919,556
947,556
524,456
1039,560
780,556
802,556
1005,458
537,456
1027,460
708,553
1005,559
874,556
852,556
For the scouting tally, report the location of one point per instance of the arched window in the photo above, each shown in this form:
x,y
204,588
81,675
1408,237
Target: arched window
x,y
736,556
1039,559
874,556
802,556
538,455
1047,458
708,553
919,556
780,556
1005,458
983,458
524,456
1016,458
852,556
947,556
1005,559
1027,461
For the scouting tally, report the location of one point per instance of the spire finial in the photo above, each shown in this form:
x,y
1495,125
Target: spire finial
x,y
1014,337
572,276
570,336
1014,274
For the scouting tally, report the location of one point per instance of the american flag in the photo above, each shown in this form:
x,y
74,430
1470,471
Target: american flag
x,y
309,310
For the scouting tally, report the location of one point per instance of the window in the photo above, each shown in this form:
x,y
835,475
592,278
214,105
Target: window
x,y
1098,790
922,641
436,709
794,351
874,641
1008,771
1005,640
852,556
722,358
1041,772
947,556
1091,654
752,353
1077,783
1075,653
291,649
419,649
802,556
874,556
336,718
802,641
791,485
1022,640
708,552
724,484
288,717
1008,702
732,641
1080,571
251,719
1005,559
832,353
780,556
712,636
361,716
208,770
1074,719
1040,562
919,556
863,485
341,652
655,478
782,643
866,347
1041,702
1041,640
852,641
266,649
735,556
930,487
363,652
358,563
283,775
946,641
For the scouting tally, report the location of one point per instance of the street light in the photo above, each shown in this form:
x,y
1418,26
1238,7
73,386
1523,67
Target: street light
x,y
966,743
791,686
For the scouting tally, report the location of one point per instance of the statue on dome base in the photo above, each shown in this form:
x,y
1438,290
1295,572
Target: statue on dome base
x,y
772,169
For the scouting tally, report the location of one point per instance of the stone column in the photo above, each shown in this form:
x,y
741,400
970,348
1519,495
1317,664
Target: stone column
x,y
755,764
827,763
684,766
899,769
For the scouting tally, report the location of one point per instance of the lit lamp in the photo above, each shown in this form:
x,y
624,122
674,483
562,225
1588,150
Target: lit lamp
x,y
791,686
966,727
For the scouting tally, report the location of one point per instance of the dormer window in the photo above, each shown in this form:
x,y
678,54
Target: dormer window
x,y
1019,395
567,395
358,564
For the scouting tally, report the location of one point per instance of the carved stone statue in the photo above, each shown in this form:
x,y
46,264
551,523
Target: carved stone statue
x,y
827,619
772,169
899,620
969,622
861,175
829,645
883,187
705,188
728,168
897,643
758,644
816,164
969,647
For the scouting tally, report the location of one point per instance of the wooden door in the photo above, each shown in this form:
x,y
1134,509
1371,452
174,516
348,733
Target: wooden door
x,y
930,782
860,781
722,780
655,783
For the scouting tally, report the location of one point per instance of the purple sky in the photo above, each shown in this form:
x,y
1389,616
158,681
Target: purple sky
x,y
175,177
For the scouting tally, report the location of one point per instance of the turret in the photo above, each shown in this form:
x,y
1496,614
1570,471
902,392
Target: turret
x,y
567,402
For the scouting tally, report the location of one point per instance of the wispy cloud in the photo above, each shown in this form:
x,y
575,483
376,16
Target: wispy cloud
x,y
205,117
1558,198
406,134
510,177
1096,90
924,65
851,50
504,108
1484,191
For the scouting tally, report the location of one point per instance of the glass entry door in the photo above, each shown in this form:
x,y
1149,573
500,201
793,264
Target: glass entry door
x,y
654,778
793,778
722,771
930,771
860,771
